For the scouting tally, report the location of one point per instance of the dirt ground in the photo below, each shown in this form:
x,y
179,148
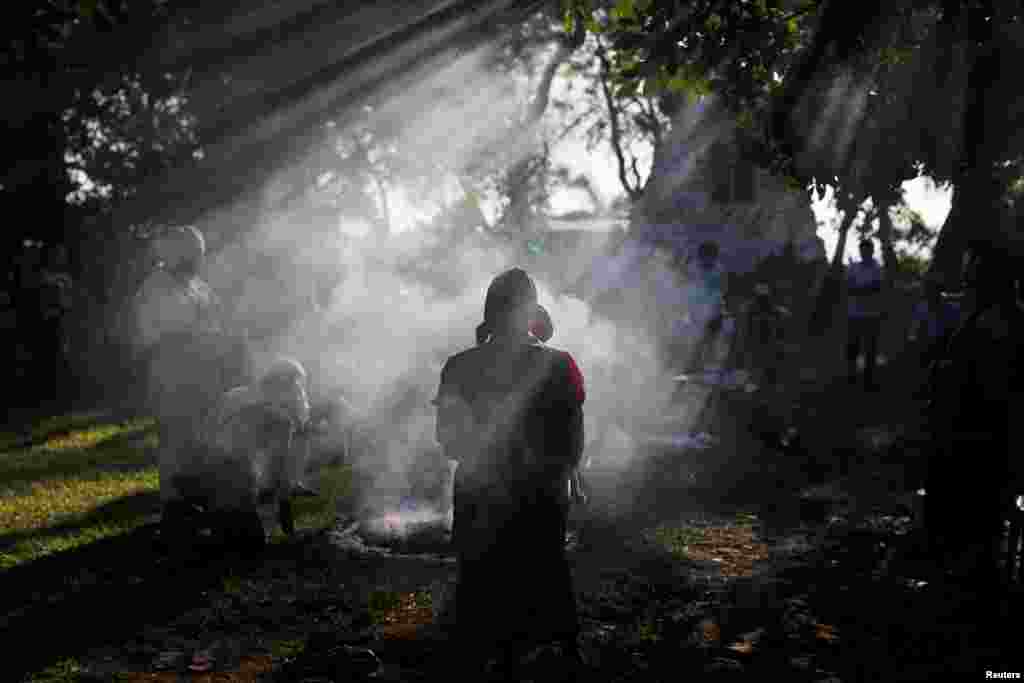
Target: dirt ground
x,y
738,562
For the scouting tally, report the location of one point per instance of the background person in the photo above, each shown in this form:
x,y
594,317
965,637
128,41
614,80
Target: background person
x,y
707,303
863,314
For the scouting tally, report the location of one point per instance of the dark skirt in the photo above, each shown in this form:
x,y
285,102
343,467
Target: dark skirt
x,y
515,585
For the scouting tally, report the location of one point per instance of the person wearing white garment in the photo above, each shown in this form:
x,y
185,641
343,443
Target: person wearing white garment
x,y
189,358
256,450
864,282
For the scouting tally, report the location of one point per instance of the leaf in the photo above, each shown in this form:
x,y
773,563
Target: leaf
x,y
624,9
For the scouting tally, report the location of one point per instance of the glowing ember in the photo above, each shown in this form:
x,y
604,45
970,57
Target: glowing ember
x,y
410,523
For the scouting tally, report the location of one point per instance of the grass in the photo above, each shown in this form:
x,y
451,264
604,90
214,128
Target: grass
x,y
64,671
71,480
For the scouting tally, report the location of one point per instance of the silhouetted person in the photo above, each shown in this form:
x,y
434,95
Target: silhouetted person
x,y
976,390
706,306
863,314
762,345
510,412
934,320
257,445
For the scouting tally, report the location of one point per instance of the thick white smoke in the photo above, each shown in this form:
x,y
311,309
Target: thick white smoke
x,y
399,306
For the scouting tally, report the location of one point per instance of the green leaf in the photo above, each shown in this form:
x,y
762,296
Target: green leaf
x,y
624,9
626,89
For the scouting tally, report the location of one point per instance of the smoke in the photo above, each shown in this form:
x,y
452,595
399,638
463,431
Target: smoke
x,y
374,319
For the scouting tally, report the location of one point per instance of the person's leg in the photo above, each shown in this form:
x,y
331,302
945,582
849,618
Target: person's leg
x,y
853,334
872,332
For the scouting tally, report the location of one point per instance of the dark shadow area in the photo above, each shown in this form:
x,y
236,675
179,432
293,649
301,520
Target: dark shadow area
x,y
106,593
15,434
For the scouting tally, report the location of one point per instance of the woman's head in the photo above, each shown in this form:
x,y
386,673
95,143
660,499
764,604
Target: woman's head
x,y
510,306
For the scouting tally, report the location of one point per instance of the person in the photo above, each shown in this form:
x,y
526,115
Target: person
x,y
977,385
934,318
510,412
863,314
707,302
256,447
764,334
180,335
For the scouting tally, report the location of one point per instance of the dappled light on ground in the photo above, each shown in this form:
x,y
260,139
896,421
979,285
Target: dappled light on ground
x,y
405,616
250,670
734,548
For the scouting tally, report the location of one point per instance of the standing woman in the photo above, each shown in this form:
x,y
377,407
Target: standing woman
x,y
510,412
181,334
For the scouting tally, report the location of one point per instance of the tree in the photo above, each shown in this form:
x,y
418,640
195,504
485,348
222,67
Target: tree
x,y
546,28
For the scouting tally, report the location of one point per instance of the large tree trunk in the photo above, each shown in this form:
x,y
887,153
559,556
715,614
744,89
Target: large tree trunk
x,y
977,190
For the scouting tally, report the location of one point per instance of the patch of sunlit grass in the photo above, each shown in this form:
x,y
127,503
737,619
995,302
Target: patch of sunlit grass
x,y
61,501
334,485
69,453
287,648
733,547
64,671
63,492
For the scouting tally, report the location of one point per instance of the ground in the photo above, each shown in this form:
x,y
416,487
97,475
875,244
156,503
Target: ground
x,y
741,563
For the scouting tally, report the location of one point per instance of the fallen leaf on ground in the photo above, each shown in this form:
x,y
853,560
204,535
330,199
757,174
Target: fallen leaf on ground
x,y
826,632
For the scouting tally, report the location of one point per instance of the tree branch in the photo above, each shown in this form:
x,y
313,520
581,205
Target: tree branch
x,y
613,120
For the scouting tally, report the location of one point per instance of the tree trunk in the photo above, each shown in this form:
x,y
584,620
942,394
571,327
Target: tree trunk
x,y
885,237
849,215
633,191
519,212
976,190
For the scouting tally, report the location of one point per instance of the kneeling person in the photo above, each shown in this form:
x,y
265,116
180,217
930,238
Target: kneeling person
x,y
254,457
